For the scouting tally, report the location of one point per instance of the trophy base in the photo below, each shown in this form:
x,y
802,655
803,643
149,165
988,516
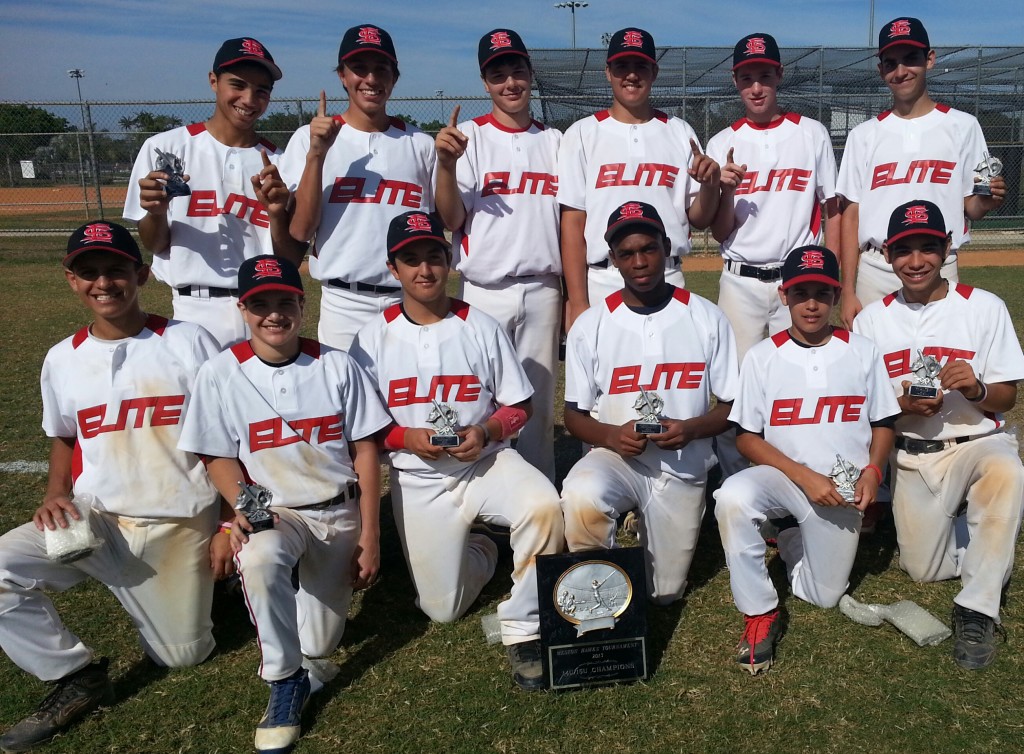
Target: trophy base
x,y
648,428
175,190
923,391
848,495
261,524
982,189
75,555
445,441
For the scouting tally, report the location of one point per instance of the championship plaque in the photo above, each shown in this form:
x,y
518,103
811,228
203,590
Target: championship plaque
x,y
926,371
170,163
844,476
253,502
648,405
593,617
443,418
987,169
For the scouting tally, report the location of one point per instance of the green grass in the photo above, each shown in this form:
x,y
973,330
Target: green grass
x,y
409,686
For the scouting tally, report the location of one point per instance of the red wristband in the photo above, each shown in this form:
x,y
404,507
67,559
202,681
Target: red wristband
x,y
395,438
878,471
511,420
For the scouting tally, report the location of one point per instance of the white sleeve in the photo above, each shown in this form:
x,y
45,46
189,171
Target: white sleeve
x,y
825,164
364,413
882,401
511,385
572,170
364,350
749,409
1003,360
466,175
723,366
692,186
206,430
143,166
851,169
204,348
580,381
293,161
718,146
57,422
972,152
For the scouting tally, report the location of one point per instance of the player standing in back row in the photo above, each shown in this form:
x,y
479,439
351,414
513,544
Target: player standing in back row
x,y
630,152
496,191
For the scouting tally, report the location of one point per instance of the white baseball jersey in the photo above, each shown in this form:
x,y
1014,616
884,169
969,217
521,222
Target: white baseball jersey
x,y
222,223
890,160
791,170
968,324
813,402
464,361
289,425
369,178
509,185
604,163
124,402
683,351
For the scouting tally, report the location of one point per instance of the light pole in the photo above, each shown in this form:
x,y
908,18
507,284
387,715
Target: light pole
x,y
76,74
572,6
440,96
871,24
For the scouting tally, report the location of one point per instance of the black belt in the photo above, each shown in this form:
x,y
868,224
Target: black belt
x,y
349,493
764,274
197,290
671,264
916,447
365,287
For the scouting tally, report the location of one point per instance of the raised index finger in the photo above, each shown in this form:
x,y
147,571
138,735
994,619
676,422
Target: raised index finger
x,y
266,158
454,119
321,111
694,147
728,157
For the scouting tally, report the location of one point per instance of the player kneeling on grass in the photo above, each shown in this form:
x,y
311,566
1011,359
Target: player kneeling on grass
x,y
114,395
651,354
440,363
953,447
298,418
813,402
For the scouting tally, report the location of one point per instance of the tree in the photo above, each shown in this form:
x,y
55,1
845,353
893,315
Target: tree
x,y
279,127
147,123
19,122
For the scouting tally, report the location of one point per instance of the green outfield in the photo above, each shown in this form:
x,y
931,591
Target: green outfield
x,y
409,686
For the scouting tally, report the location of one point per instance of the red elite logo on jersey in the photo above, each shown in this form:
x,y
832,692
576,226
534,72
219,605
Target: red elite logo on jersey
x,y
632,39
500,39
252,47
812,260
266,268
916,215
899,28
755,46
369,35
418,224
98,233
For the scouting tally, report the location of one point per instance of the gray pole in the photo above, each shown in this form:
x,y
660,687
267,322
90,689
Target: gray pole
x,y
76,74
92,162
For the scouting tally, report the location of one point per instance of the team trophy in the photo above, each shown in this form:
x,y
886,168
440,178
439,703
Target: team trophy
x,y
987,169
844,476
170,163
253,502
648,405
443,418
926,371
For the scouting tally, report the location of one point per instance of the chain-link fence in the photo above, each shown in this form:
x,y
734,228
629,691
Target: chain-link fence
x,y
61,162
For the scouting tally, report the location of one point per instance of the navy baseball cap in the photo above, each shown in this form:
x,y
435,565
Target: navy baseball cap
x,y
903,31
245,50
633,214
498,42
631,42
101,235
756,48
810,264
916,218
268,273
366,38
415,226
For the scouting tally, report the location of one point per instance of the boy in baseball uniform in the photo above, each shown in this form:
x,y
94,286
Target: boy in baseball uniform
x,y
814,413
298,419
351,174
920,149
238,206
630,152
114,397
496,191
959,483
652,354
456,391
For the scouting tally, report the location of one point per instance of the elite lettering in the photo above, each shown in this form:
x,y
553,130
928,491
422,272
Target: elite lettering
x,y
500,183
204,204
353,191
898,363
778,179
270,433
829,408
671,376
133,413
647,174
919,171
458,388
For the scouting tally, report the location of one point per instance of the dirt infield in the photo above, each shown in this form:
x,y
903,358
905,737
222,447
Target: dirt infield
x,y
31,200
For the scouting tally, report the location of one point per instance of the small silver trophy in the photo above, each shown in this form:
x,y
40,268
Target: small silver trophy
x,y
253,502
77,540
443,418
648,405
170,163
987,169
844,476
926,371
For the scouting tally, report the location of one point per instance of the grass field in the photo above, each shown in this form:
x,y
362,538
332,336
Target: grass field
x,y
409,686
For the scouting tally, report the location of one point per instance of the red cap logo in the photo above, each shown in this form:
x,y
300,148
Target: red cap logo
x,y
812,260
267,268
369,35
899,28
632,209
500,39
755,46
252,47
418,224
98,233
633,39
917,215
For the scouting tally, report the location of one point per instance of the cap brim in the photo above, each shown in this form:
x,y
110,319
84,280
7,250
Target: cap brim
x,y
406,241
908,42
644,222
915,232
68,258
503,53
275,72
271,287
812,277
631,54
363,51
750,61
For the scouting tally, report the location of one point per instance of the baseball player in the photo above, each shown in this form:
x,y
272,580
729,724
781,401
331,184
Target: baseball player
x,y
629,152
352,173
919,149
811,397
114,395
299,419
953,447
496,190
652,354
238,206
456,391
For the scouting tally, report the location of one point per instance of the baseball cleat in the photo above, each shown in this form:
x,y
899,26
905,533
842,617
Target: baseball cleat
x,y
527,668
281,725
975,646
74,696
756,650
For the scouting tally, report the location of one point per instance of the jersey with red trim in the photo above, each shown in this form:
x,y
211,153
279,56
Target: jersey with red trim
x,y
603,163
368,179
465,361
124,402
814,402
508,179
968,324
683,351
222,223
791,170
889,161
289,425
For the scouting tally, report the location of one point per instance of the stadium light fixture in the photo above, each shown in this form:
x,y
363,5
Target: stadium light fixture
x,y
572,6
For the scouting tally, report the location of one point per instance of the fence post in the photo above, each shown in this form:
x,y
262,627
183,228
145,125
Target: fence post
x,y
977,88
302,115
92,161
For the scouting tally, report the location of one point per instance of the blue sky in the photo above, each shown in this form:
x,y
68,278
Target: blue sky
x,y
146,49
